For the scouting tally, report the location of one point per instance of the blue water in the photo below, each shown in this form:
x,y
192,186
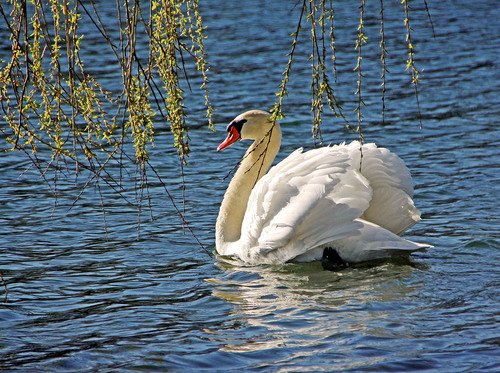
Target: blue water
x,y
95,283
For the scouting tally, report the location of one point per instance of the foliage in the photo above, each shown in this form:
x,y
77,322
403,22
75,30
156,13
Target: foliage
x,y
319,16
49,98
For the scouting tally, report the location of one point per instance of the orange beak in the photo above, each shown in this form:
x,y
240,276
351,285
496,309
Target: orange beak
x,y
231,138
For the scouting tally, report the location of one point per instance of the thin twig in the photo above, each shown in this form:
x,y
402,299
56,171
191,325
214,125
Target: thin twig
x,y
360,40
235,167
383,54
410,62
276,112
101,199
430,19
4,283
178,211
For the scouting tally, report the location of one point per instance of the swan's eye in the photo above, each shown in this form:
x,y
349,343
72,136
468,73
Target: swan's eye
x,y
237,124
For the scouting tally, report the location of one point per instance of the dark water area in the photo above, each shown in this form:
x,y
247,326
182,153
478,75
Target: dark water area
x,y
131,289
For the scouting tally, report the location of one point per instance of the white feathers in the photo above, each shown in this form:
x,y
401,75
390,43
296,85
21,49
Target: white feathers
x,y
316,198
374,242
355,201
392,209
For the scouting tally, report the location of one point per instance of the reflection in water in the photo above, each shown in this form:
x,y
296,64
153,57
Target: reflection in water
x,y
285,303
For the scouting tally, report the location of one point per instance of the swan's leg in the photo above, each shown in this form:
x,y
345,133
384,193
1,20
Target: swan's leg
x,y
331,260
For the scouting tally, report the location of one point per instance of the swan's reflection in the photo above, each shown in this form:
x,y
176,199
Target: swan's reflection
x,y
302,304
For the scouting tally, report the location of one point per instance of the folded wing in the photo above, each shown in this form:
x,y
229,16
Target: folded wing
x,y
305,201
391,206
317,198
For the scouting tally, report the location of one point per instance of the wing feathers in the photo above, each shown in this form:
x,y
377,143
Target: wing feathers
x,y
374,242
282,226
392,209
315,198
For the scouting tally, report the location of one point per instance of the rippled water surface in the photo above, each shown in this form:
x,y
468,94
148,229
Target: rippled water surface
x,y
130,289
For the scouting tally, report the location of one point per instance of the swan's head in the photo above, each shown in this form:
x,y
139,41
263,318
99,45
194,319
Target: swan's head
x,y
251,125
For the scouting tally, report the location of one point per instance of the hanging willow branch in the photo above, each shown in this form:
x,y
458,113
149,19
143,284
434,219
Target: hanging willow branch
x,y
360,40
410,62
317,15
49,98
320,19
383,56
276,110
330,16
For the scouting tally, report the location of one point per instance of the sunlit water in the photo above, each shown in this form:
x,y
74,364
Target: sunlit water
x,y
88,290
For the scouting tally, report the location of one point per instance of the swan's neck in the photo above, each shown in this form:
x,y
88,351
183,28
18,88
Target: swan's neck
x,y
254,165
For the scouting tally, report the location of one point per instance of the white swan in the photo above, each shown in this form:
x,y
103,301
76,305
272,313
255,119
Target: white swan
x,y
313,200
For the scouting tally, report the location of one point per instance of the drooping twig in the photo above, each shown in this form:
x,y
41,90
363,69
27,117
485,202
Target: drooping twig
x,y
333,44
360,40
430,19
4,286
276,112
317,63
177,210
410,62
383,55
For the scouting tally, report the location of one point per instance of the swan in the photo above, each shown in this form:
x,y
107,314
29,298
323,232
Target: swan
x,y
330,201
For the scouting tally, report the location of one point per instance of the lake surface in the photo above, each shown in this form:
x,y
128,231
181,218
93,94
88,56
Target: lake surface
x,y
130,289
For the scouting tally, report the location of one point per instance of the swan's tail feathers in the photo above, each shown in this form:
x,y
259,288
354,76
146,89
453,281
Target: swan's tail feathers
x,y
375,242
392,209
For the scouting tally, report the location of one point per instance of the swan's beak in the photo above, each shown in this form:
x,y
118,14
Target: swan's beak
x,y
231,138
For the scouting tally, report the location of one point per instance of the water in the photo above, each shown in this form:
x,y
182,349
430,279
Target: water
x,y
89,291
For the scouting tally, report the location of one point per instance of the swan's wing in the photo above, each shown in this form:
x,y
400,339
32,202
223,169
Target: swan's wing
x,y
374,242
382,167
392,209
391,206
306,200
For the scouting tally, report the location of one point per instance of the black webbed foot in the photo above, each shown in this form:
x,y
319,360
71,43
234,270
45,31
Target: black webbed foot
x,y
332,261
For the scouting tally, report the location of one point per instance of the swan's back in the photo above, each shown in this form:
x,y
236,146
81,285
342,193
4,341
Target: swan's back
x,y
314,198
391,206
